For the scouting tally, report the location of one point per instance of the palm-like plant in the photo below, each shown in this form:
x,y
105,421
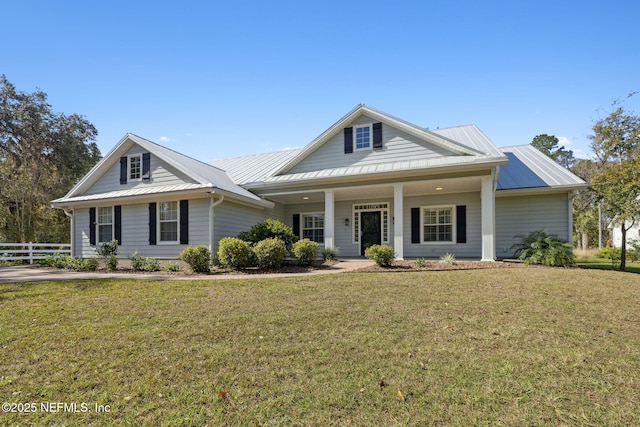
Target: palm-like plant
x,y
538,247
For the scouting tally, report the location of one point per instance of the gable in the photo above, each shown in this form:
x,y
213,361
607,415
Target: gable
x,y
160,174
397,145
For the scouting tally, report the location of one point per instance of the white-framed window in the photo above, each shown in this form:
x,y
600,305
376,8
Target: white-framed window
x,y
362,136
168,221
384,214
104,224
437,224
312,226
135,167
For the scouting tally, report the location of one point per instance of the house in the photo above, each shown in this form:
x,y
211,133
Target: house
x,y
369,178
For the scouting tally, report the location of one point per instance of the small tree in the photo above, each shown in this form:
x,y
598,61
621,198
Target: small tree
x,y
548,144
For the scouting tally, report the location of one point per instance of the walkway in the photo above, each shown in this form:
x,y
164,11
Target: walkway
x,y
34,273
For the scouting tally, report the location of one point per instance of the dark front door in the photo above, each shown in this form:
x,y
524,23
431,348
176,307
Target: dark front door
x,y
371,230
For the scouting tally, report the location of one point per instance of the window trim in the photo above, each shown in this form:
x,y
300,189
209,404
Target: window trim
x,y
453,240
159,240
355,137
98,224
302,223
129,157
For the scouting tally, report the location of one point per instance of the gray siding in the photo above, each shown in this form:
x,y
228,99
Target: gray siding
x,y
161,174
135,231
398,146
471,249
523,214
232,218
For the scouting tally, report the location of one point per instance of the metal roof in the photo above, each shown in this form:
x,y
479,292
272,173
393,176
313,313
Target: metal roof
x,y
138,191
530,168
256,167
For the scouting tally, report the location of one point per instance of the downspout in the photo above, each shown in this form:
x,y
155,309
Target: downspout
x,y
69,213
213,203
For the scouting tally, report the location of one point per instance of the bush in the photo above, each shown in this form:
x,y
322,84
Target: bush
x,y
172,267
614,254
234,253
305,251
111,262
330,254
198,258
267,229
57,260
448,259
270,253
140,263
108,248
421,263
539,248
383,255
71,262
89,264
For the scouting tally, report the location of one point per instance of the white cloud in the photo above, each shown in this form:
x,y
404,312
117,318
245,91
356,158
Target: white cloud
x,y
187,134
165,139
563,141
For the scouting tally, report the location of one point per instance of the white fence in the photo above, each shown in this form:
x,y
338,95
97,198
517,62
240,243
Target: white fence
x,y
31,251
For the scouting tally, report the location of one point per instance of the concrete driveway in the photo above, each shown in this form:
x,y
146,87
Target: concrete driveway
x,y
34,273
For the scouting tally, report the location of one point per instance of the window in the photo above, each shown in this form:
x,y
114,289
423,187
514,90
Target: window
x,y
168,219
363,137
105,224
437,224
313,227
135,167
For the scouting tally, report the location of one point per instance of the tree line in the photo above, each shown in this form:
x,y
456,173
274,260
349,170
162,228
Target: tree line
x,y
42,155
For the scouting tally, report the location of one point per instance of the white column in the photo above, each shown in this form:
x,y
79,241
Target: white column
x,y
328,219
487,206
398,216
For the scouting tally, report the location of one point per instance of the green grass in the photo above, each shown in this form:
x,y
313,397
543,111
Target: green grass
x,y
605,264
503,347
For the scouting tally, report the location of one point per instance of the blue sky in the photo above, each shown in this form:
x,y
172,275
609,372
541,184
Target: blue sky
x,y
217,79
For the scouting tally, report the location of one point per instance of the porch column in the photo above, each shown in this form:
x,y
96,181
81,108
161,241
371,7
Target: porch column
x,y
328,219
487,206
398,223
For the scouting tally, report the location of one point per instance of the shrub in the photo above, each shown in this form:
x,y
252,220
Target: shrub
x,y
172,267
270,253
140,263
234,253
614,254
108,248
111,262
330,254
89,264
305,251
57,260
539,248
197,257
268,229
448,259
383,255
421,263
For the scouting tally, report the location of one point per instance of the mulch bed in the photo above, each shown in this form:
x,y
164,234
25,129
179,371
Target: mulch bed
x,y
438,266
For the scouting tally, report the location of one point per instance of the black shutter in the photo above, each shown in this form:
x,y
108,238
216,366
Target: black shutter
x,y
92,226
348,140
461,224
377,135
146,166
184,222
123,170
152,224
117,210
415,225
296,225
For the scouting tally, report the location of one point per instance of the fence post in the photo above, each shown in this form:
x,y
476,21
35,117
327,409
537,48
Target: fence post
x,y
30,253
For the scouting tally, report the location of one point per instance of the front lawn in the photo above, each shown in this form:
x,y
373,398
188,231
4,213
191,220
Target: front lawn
x,y
606,264
512,347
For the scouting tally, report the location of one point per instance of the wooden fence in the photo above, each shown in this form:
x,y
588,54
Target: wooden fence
x,y
31,251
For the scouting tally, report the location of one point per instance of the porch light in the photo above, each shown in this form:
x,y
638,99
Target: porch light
x,y
305,198
346,222
439,188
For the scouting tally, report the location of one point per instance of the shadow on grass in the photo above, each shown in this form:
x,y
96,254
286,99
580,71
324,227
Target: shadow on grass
x,y
605,264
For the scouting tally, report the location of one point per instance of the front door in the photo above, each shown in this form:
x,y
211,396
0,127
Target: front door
x,y
371,230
